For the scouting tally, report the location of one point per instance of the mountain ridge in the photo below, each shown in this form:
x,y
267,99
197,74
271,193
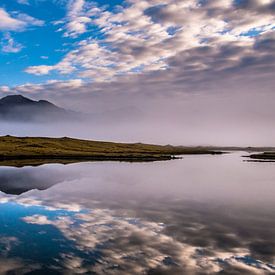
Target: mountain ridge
x,y
21,108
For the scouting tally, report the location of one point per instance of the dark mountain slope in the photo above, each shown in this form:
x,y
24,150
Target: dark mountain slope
x,y
20,108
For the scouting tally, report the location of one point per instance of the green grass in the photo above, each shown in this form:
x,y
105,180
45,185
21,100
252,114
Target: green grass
x,y
39,150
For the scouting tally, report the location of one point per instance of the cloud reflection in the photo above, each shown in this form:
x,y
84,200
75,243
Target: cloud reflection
x,y
138,246
128,222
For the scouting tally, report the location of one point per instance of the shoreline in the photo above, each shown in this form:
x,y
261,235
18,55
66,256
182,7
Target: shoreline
x,y
34,151
42,150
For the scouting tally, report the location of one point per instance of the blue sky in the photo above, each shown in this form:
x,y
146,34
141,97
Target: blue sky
x,y
36,42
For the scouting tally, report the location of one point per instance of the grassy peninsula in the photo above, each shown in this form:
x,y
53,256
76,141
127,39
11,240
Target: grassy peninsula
x,y
19,151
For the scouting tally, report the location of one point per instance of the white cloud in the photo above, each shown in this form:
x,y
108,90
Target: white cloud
x,y
145,35
17,21
8,23
4,89
37,219
136,247
8,45
76,18
11,23
39,70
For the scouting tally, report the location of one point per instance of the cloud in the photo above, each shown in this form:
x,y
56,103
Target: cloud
x,y
145,35
4,89
9,23
136,245
37,219
8,45
39,70
76,19
17,21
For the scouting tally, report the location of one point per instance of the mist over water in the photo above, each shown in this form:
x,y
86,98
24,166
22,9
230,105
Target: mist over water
x,y
172,127
239,118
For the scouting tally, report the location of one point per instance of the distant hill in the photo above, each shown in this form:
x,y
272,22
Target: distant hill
x,y
23,109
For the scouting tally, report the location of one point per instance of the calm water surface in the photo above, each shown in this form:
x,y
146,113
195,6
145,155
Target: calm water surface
x,y
198,215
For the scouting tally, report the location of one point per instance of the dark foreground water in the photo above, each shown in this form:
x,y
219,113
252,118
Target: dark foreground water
x,y
198,215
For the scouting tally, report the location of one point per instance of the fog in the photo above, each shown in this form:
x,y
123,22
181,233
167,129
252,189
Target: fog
x,y
241,118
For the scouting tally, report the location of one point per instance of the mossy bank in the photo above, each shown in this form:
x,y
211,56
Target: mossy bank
x,y
39,150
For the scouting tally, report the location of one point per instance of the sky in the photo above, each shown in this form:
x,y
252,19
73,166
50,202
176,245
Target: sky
x,y
170,71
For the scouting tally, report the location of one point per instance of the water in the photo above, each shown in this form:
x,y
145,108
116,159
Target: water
x,y
198,215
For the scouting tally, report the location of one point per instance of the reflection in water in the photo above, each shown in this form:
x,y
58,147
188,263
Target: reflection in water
x,y
18,181
176,217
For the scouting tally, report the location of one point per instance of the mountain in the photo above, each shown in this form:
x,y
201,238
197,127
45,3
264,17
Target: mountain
x,y
20,108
